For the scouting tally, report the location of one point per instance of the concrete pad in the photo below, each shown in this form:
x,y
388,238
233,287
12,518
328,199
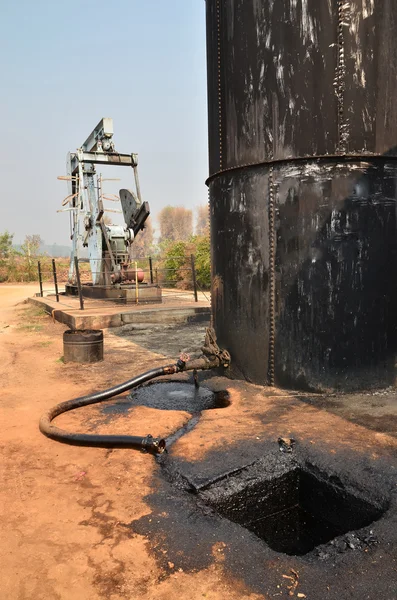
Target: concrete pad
x,y
102,315
167,315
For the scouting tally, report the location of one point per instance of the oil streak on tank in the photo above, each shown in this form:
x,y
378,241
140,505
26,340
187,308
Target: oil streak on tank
x,y
303,172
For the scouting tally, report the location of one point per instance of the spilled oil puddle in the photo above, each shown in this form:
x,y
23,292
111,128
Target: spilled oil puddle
x,y
170,395
173,395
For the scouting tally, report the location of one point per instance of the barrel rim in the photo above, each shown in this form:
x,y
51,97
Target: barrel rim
x,y
83,332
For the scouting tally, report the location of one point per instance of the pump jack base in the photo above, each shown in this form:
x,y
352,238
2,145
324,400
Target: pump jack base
x,y
148,293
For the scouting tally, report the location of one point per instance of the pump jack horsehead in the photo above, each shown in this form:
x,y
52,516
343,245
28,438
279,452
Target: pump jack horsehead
x,y
108,245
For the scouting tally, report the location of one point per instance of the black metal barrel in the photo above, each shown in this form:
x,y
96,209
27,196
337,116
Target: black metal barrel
x,y
303,189
83,345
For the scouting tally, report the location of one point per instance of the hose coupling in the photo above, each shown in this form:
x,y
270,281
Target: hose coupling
x,y
153,445
182,360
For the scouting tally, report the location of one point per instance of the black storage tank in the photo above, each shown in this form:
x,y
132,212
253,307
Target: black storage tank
x,y
302,150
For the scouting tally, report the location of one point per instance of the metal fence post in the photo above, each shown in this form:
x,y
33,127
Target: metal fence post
x,y
76,266
151,269
194,277
54,272
136,284
40,278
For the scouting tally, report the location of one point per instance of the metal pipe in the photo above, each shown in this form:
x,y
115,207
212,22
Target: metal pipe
x,y
194,277
136,284
54,273
137,186
195,379
151,269
40,278
76,266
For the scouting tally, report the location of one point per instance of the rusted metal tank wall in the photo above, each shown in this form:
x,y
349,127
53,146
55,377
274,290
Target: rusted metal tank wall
x,y
303,172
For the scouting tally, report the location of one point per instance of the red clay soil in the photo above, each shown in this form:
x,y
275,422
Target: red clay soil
x,y
65,510
62,508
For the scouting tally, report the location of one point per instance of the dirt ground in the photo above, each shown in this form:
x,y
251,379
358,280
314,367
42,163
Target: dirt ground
x,y
62,508
65,511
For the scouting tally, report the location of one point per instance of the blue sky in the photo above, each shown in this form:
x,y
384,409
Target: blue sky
x,y
66,65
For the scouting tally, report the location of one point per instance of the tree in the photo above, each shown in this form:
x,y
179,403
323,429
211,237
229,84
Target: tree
x,y
6,254
142,244
176,223
174,259
6,244
30,251
202,221
31,245
175,263
202,252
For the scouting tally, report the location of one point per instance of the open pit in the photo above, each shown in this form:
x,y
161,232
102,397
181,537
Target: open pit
x,y
292,513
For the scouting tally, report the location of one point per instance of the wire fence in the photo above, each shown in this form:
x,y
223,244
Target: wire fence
x,y
145,280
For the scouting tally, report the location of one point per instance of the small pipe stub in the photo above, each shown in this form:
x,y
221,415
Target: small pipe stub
x,y
182,360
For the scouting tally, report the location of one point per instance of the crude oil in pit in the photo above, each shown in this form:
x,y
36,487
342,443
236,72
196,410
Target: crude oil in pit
x,y
172,395
296,512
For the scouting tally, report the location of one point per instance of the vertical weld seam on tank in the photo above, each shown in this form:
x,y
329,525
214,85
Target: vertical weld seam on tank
x,y
343,124
218,19
272,280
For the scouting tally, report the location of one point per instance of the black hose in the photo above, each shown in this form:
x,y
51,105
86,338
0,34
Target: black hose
x,y
212,358
148,443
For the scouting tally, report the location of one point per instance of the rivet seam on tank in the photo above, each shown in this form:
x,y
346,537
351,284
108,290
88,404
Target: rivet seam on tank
x,y
212,325
218,18
272,279
357,156
339,83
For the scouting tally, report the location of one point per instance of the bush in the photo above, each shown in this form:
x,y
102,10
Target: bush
x,y
203,261
19,265
174,263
